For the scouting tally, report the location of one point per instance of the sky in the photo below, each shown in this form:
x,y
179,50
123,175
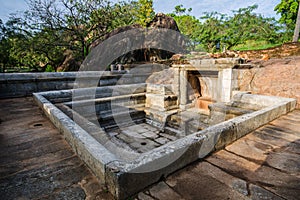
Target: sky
x,y
265,7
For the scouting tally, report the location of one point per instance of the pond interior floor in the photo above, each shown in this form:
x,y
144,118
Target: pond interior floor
x,y
37,163
141,137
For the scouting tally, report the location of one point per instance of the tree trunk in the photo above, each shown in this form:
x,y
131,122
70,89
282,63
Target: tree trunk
x,y
297,27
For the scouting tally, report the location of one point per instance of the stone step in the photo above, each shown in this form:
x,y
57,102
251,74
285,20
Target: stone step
x,y
106,107
173,131
111,125
108,115
107,118
188,116
247,106
199,125
227,109
190,125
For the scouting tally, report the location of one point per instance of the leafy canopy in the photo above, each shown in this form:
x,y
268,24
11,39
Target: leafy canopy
x,y
216,29
50,32
288,12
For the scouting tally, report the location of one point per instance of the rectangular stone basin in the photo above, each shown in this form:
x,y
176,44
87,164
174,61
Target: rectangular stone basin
x,y
130,155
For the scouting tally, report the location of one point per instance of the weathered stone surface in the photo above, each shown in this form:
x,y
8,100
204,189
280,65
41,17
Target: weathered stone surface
x,y
162,140
192,183
279,153
278,182
278,77
259,193
252,150
20,84
284,51
120,183
161,102
284,161
288,125
295,114
64,176
163,191
150,134
163,21
235,183
85,151
143,196
41,164
170,137
166,76
270,137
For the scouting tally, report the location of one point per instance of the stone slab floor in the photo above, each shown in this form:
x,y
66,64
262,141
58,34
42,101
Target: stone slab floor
x,y
36,163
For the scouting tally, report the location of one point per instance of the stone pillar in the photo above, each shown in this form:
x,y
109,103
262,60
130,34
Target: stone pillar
x,y
176,82
183,88
225,87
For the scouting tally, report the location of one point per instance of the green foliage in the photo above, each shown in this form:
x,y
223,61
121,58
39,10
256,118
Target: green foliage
x,y
16,50
187,24
227,30
49,68
144,11
245,25
49,29
179,10
255,45
288,11
211,30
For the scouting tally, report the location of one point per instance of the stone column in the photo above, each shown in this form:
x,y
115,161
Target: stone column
x,y
176,81
183,88
225,89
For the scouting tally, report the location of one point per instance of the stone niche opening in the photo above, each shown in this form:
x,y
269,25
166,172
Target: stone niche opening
x,y
202,89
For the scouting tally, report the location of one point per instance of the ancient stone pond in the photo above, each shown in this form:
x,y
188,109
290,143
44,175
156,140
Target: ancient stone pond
x,y
141,124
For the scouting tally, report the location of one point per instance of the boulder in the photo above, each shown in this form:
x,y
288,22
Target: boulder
x,y
163,21
144,55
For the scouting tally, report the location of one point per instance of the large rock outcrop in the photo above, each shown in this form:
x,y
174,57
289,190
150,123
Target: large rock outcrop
x,y
277,77
147,54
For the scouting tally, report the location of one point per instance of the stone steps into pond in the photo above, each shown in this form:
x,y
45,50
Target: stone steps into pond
x,y
188,121
87,108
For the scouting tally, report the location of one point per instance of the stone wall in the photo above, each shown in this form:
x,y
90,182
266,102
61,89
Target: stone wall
x,y
276,77
24,84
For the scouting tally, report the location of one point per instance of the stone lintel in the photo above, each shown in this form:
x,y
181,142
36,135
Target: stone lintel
x,y
209,64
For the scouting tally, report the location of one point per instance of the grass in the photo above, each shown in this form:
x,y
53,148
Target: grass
x,y
254,45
